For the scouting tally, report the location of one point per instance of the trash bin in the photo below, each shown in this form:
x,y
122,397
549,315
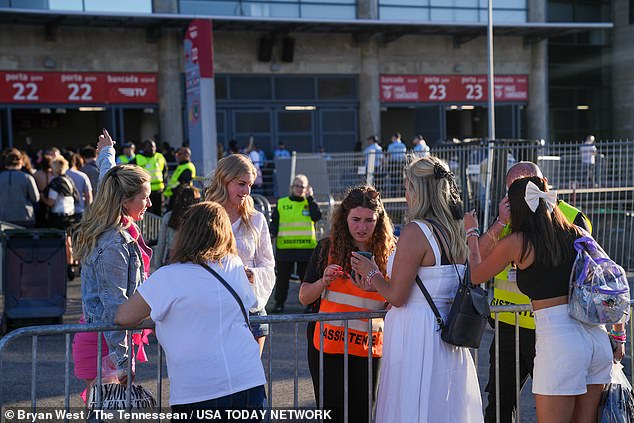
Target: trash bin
x,y
33,276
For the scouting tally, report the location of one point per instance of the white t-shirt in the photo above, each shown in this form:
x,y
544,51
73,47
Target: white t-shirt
x,y
256,252
588,151
209,349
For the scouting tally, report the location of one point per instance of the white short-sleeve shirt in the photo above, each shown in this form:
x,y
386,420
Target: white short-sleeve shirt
x,y
209,349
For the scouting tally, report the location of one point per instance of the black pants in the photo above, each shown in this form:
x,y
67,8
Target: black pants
x,y
156,197
249,399
333,382
508,400
284,270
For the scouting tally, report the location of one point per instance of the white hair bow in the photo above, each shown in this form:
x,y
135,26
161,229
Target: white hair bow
x,y
533,194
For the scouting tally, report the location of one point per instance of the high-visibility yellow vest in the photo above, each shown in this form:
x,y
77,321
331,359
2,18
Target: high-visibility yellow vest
x,y
507,293
296,228
154,166
123,159
343,296
173,182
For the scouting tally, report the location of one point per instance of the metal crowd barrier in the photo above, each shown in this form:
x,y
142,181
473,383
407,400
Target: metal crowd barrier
x,y
604,192
67,330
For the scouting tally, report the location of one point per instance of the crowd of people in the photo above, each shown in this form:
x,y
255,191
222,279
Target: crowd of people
x,y
214,266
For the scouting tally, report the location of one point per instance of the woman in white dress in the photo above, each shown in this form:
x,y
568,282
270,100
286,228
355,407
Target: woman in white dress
x,y
231,186
423,379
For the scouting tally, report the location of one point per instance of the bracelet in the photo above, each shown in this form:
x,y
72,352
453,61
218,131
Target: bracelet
x,y
504,225
617,333
372,273
470,235
473,230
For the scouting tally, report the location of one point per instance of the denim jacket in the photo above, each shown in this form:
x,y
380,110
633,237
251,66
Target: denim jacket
x,y
110,274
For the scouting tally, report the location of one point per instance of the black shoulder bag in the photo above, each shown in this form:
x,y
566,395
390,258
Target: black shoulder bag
x,y
231,290
469,311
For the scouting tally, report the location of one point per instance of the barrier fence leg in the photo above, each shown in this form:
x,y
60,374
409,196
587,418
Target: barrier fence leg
x,y
370,384
497,367
33,373
296,376
345,371
67,378
517,368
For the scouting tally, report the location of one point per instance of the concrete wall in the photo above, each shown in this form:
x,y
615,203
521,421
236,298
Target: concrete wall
x,y
622,75
98,49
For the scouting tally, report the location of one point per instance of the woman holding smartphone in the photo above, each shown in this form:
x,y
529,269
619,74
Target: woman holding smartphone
x,y
231,187
360,223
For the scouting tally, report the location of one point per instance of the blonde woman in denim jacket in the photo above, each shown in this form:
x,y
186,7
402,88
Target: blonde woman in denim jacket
x,y
114,260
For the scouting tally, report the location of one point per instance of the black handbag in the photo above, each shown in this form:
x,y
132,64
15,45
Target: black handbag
x,y
469,312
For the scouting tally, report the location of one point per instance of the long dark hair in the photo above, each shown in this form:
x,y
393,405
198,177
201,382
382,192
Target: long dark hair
x,y
548,233
341,241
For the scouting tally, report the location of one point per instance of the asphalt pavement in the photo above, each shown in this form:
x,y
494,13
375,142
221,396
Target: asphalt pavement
x,y
17,365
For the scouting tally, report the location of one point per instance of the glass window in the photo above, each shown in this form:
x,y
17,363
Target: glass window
x,y
336,88
328,11
249,121
221,87
295,121
338,121
250,88
467,15
223,8
397,13
294,88
438,14
299,143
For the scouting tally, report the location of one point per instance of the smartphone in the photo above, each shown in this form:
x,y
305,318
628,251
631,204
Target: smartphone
x,y
365,254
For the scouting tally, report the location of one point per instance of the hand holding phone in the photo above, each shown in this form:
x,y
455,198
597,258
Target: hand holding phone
x,y
365,254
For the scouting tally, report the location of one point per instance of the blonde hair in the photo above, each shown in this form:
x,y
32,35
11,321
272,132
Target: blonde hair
x,y
59,165
121,183
229,169
432,195
205,235
298,177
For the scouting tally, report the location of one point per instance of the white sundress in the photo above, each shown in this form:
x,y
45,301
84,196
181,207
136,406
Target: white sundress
x,y
422,378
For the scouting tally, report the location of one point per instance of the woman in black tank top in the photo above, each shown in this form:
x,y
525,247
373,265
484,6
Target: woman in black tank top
x,y
572,360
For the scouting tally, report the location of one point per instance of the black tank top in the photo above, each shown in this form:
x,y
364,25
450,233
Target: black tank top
x,y
543,282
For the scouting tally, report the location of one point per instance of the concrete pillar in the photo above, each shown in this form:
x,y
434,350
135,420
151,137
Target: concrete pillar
x,y
369,98
165,6
170,88
622,75
368,9
537,111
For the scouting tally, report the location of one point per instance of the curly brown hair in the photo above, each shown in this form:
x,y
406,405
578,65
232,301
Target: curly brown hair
x,y
341,242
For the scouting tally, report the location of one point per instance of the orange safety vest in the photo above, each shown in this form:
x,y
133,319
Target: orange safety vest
x,y
343,296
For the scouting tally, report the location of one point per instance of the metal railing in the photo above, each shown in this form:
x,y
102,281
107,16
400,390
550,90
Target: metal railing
x,y
8,374
603,191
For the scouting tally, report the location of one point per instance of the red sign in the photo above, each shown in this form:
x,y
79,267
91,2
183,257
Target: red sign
x,y
77,87
199,34
451,88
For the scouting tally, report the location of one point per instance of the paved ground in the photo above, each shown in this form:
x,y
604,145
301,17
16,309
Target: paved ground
x,y
17,366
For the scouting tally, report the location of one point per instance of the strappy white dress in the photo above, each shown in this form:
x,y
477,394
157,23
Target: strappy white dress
x,y
423,379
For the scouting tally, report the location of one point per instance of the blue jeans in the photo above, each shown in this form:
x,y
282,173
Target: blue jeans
x,y
249,399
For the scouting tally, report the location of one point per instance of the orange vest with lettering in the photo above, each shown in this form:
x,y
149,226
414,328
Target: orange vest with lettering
x,y
343,296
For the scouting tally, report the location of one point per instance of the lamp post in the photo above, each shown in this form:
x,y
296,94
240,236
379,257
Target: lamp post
x,y
491,115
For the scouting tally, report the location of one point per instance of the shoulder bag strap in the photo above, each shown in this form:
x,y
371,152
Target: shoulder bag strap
x,y
441,324
230,289
441,231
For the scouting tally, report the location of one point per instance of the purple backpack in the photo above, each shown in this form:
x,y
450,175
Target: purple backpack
x,y
599,290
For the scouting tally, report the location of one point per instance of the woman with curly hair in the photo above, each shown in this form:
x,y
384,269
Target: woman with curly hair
x,y
231,187
360,223
424,379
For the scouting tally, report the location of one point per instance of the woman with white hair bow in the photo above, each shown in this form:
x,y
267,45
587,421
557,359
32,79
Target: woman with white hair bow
x,y
573,360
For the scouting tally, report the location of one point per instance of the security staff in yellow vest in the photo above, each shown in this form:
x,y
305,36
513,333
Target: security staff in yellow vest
x,y
128,153
154,163
507,293
184,173
293,227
